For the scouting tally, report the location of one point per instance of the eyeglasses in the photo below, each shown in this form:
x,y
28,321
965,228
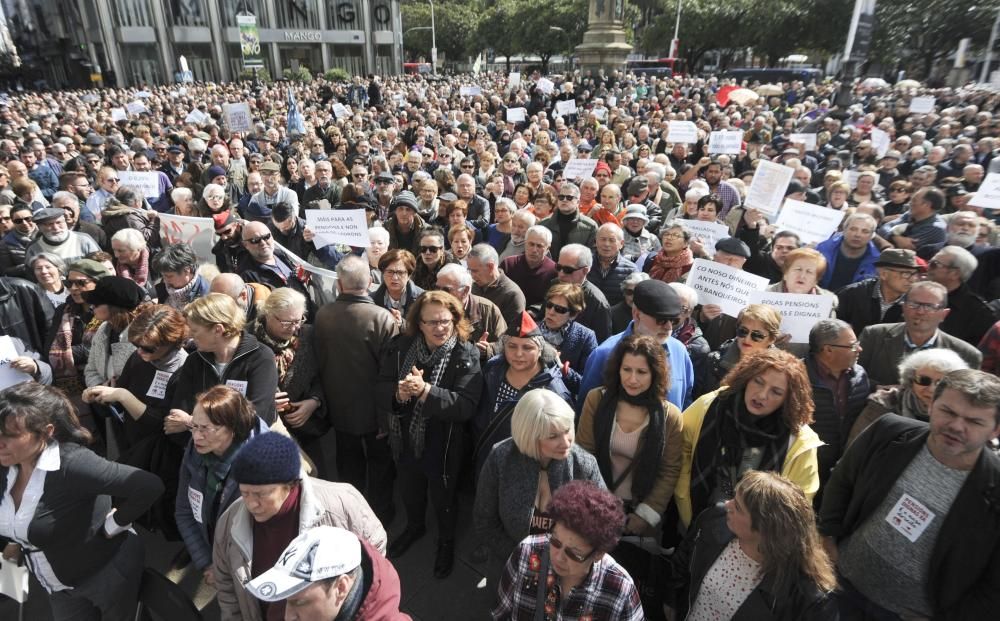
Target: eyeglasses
x,y
258,239
360,175
673,235
205,430
934,264
291,323
385,181
430,249
79,282
907,274
562,310
927,307
567,197
146,348
664,321
855,346
436,323
576,556
112,180
566,269
756,335
214,197
395,273
923,380
469,166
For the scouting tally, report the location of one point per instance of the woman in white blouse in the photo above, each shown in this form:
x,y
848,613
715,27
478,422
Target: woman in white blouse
x,y
758,556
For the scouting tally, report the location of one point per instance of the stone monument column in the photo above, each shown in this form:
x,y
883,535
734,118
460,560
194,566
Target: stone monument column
x,y
604,46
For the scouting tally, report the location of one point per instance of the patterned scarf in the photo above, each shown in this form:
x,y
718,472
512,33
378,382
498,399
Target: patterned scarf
x,y
139,274
178,298
433,363
61,350
284,351
555,337
671,268
685,332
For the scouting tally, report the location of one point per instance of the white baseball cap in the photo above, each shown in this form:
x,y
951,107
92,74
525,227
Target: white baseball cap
x,y
317,554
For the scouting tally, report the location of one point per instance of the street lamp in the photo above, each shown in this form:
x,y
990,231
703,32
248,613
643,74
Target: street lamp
x,y
434,47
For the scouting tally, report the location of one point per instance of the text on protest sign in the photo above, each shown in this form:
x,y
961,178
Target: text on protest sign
x,y
682,131
135,107
579,167
340,110
600,113
322,283
237,116
514,78
199,233
728,287
338,226
470,91
708,232
799,311
118,114
516,115
567,107
809,140
767,188
725,142
922,105
148,183
8,375
546,86
196,116
812,223
988,194
880,141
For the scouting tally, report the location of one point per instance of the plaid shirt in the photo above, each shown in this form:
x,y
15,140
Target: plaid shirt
x,y
607,594
729,195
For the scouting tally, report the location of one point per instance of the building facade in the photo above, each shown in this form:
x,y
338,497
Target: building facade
x,y
75,43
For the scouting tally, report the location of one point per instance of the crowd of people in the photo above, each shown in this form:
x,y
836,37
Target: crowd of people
x,y
508,334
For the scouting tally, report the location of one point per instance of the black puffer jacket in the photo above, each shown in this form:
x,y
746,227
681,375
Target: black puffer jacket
x,y
25,312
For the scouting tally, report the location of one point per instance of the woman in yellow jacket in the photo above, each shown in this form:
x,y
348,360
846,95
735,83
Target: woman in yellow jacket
x,y
758,420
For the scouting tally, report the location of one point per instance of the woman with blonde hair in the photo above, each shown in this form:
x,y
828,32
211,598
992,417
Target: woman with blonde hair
x,y
758,326
758,556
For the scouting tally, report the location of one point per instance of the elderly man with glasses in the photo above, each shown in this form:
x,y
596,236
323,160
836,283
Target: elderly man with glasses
x,y
268,265
880,299
567,224
970,317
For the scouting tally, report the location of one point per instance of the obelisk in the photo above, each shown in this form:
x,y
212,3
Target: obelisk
x,y
604,46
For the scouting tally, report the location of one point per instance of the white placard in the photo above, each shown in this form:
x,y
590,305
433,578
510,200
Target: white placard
x,y
340,110
239,386
514,78
799,311
812,223
880,141
851,176
809,140
196,116
922,105
199,233
612,101
601,114
470,91
322,283
725,142
516,115
767,188
158,387
682,131
910,517
546,86
143,94
196,499
148,183
119,114
726,286
565,108
708,232
135,107
8,375
578,168
988,194
338,226
237,117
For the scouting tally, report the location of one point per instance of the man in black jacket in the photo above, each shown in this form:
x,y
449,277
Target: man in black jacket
x,y
910,513
879,300
25,312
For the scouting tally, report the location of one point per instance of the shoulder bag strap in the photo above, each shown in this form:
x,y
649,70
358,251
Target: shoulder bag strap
x,y
543,581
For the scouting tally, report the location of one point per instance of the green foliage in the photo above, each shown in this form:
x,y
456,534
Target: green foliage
x,y
549,28
302,74
337,74
262,74
456,23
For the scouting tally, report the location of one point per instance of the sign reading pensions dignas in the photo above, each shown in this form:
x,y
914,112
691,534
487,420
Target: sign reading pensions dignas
x,y
799,311
338,226
728,287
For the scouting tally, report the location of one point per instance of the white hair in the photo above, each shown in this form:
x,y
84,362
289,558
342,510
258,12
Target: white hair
x,y
132,239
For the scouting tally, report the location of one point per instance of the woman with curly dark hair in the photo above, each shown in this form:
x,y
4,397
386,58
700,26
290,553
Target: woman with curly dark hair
x,y
757,420
581,578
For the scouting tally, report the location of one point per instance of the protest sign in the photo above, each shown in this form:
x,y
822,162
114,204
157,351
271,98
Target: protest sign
x,y
8,375
579,167
135,107
812,223
516,115
237,117
340,110
726,286
767,188
682,131
922,105
565,108
799,311
809,140
514,78
196,116
725,142
470,91
600,113
851,177
147,183
880,141
612,101
338,226
708,232
119,114
199,233
988,194
322,283
546,86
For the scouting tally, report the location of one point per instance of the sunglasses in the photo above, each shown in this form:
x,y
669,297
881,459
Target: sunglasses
x,y
562,310
565,269
427,249
146,348
79,282
112,180
567,197
258,239
559,545
923,380
22,220
756,335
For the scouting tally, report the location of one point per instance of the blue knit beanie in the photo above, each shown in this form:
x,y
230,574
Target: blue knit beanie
x,y
267,458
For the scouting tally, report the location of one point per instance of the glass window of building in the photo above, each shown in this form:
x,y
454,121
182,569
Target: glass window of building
x,y
344,15
133,13
187,13
301,14
231,8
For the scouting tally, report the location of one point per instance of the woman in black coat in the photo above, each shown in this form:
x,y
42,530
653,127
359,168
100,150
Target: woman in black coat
x,y
429,385
56,511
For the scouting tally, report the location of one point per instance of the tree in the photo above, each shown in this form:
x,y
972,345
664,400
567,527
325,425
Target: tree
x,y
549,28
455,23
496,28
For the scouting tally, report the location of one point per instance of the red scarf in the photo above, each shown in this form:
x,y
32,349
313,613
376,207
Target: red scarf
x,y
671,268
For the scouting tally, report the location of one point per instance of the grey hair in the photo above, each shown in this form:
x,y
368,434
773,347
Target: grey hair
x,y
527,216
175,258
611,226
485,254
964,261
55,260
825,332
377,232
353,274
979,388
535,414
634,279
506,202
282,299
180,193
657,169
936,287
131,238
584,258
689,295
940,360
541,231
861,216
456,270
63,195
